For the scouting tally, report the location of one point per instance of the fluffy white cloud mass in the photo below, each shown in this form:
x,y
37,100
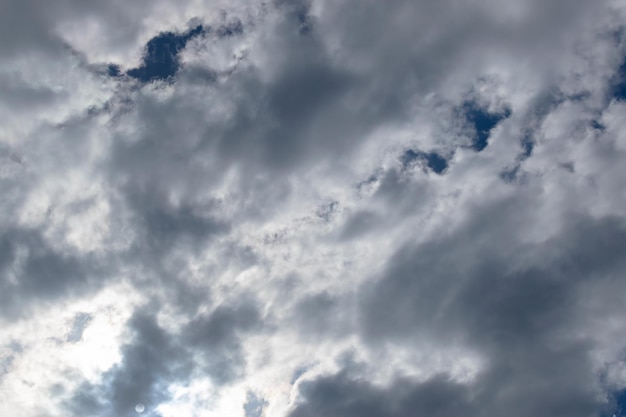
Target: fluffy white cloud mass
x,y
312,208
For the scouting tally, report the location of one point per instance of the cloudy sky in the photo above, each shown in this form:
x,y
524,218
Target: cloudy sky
x,y
312,208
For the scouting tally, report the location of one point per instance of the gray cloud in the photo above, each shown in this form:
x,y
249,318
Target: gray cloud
x,y
524,322
154,358
35,272
312,208
339,395
254,405
216,337
81,321
441,396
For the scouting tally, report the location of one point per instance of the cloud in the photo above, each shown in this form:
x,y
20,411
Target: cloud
x,y
154,358
341,396
312,208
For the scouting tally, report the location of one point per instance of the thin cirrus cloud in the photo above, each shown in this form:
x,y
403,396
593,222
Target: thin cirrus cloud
x,y
312,208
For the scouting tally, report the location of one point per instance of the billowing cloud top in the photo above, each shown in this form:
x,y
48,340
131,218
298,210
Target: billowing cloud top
x,y
312,208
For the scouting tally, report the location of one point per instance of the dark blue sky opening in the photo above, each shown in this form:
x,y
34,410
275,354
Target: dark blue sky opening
x,y
305,20
617,406
597,125
113,70
160,61
437,163
619,91
483,122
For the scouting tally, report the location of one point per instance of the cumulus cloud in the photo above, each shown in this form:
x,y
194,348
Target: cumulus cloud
x,y
312,208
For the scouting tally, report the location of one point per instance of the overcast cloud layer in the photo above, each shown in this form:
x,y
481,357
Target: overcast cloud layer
x,y
322,208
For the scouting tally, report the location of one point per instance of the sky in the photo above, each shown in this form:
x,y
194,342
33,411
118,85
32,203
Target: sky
x,y
312,208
